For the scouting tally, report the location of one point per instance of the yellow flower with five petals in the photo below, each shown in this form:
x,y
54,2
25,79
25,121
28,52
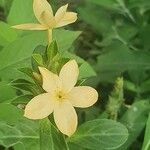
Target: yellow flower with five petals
x,y
47,20
61,97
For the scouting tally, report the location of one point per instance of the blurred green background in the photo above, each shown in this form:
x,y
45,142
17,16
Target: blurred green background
x,y
114,40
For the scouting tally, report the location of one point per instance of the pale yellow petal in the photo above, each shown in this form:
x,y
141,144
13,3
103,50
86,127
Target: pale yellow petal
x,y
51,81
83,96
30,26
49,22
61,13
40,107
69,75
65,118
69,17
43,11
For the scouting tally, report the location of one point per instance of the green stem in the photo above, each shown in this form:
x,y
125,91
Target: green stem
x,y
50,36
65,142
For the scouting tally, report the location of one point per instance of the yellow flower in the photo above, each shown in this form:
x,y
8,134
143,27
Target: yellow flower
x,y
61,97
44,14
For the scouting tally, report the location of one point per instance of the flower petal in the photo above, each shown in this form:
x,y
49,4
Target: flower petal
x,y
69,75
65,118
69,17
51,81
43,11
40,106
30,26
61,13
83,96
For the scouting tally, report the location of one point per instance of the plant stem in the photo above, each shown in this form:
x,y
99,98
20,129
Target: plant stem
x,y
50,36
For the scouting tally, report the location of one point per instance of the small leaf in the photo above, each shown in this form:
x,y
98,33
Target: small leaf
x,y
38,58
100,134
52,51
25,85
27,71
23,99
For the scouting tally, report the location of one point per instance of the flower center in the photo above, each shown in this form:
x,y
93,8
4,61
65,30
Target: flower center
x,y
60,96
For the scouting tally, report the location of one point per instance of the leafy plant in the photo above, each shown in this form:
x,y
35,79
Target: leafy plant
x,y
112,51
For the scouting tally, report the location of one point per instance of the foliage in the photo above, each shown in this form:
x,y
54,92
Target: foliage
x,y
113,51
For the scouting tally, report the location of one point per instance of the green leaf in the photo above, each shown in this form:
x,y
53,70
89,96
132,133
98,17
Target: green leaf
x,y
21,12
27,71
30,139
50,137
68,38
146,144
23,99
10,114
118,58
135,120
9,135
14,128
85,68
25,85
18,54
7,92
7,34
24,133
52,51
100,134
86,71
38,58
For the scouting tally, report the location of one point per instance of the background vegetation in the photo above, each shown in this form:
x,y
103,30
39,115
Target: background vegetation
x,y
115,44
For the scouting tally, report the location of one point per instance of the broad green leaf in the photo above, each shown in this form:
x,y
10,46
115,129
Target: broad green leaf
x,y
24,133
146,144
73,146
30,139
50,137
68,38
9,135
135,120
10,114
7,35
21,12
18,54
7,92
86,71
100,134
14,128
